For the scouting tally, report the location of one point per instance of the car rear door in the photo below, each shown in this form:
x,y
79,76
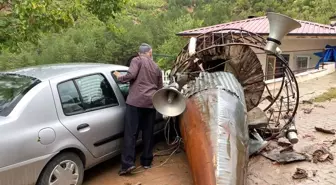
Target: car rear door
x,y
92,111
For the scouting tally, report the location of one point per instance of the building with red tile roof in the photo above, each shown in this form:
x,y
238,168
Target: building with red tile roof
x,y
298,47
260,26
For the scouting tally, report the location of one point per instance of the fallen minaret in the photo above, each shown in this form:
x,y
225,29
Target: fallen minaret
x,y
226,111
214,131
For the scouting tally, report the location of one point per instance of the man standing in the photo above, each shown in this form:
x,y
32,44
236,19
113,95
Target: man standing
x,y
145,79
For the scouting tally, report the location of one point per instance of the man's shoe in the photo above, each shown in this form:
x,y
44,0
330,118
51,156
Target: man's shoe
x,y
146,167
127,171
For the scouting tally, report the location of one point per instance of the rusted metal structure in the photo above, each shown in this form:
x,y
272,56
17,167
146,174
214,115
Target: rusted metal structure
x,y
230,110
214,131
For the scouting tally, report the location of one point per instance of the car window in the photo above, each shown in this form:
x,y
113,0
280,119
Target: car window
x,y
12,88
70,98
123,87
92,92
96,92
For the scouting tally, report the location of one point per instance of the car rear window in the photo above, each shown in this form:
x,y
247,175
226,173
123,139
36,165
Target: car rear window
x,y
12,88
86,94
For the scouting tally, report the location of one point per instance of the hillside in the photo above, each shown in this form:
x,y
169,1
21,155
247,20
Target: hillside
x,y
86,36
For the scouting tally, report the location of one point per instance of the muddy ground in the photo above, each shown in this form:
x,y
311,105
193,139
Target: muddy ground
x,y
262,171
166,170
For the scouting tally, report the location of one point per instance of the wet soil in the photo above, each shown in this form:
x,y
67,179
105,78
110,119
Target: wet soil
x,y
261,171
166,170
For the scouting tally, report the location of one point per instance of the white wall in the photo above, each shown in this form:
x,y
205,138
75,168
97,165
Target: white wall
x,y
296,46
305,76
261,56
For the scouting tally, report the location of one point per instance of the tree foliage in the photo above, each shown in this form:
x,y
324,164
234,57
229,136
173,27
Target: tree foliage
x,y
59,31
26,20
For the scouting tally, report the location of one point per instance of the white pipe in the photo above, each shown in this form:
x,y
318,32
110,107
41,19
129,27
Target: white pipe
x,y
192,46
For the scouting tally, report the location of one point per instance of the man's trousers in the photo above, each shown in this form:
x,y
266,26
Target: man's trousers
x,y
137,119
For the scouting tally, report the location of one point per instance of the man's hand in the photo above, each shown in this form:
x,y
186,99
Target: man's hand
x,y
116,73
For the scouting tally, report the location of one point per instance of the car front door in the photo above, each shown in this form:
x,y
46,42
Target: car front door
x,y
124,88
92,112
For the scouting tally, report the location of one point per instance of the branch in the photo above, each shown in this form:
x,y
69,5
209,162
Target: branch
x,y
5,5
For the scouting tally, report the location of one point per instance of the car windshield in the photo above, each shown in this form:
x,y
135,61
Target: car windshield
x,y
12,88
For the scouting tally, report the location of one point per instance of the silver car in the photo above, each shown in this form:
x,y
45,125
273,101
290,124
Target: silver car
x,y
58,120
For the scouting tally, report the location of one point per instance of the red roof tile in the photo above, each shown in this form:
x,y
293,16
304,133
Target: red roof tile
x,y
259,25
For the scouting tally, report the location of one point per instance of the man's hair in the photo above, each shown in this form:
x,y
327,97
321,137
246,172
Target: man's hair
x,y
144,48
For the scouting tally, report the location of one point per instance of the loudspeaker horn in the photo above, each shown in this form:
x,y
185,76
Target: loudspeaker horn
x,y
279,26
169,101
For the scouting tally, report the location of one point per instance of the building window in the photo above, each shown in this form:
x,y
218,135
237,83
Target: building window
x,y
275,67
302,63
270,67
286,56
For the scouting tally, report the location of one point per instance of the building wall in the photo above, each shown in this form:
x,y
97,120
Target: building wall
x,y
299,47
305,76
304,47
261,56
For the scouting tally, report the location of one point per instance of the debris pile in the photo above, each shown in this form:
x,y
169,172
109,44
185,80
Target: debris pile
x,y
127,183
310,106
300,174
319,106
326,131
282,152
322,155
307,102
307,110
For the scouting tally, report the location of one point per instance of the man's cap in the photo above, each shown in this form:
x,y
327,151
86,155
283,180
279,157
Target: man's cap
x,y
144,48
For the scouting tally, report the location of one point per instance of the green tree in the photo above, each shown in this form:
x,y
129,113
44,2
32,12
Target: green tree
x,y
60,31
172,45
26,20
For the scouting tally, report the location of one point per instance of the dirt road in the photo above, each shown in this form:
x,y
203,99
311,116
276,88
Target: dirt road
x,y
261,170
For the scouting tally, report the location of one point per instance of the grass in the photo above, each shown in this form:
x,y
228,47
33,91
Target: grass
x,y
327,96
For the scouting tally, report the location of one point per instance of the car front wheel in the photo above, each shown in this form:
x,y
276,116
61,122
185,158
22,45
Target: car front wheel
x,y
64,169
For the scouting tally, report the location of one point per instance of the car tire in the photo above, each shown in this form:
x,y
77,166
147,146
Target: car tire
x,y
67,168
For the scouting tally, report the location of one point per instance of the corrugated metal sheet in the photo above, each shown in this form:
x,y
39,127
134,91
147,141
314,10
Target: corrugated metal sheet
x,y
216,80
260,25
219,99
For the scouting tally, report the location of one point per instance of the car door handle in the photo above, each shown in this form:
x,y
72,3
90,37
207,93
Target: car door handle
x,y
82,126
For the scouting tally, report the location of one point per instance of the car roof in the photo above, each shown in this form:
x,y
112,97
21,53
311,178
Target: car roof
x,y
46,72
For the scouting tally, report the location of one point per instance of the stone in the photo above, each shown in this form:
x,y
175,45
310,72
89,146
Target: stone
x,y
256,118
